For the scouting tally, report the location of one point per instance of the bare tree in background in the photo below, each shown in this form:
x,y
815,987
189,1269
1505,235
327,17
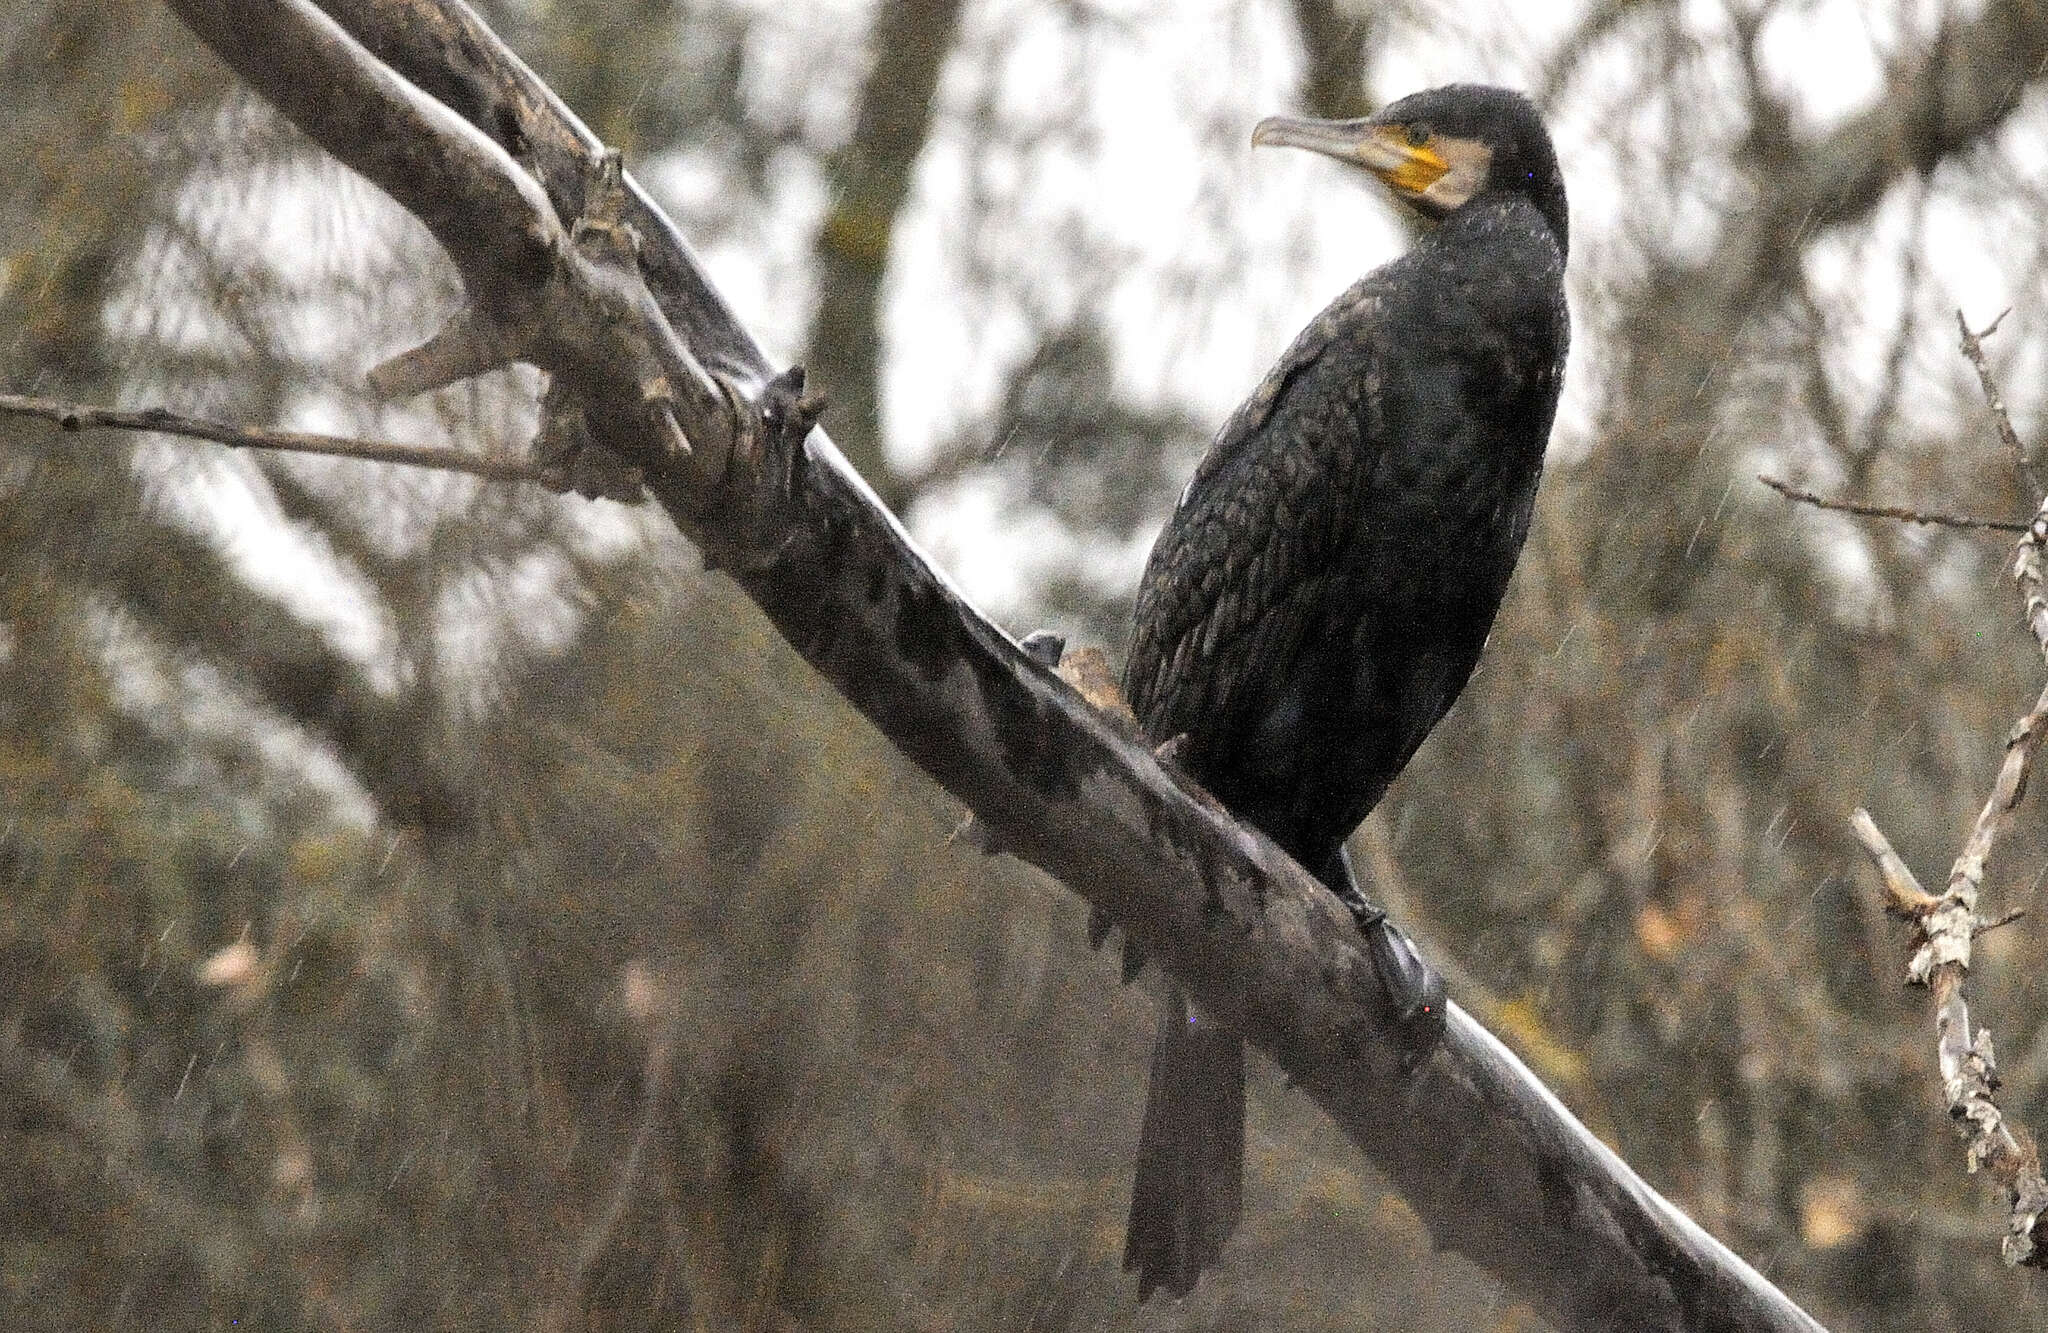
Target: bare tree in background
x,y
337,990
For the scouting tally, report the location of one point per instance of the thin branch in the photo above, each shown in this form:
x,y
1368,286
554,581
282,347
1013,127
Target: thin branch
x,y
1973,348
82,416
1791,492
1968,874
2003,919
1902,892
1946,925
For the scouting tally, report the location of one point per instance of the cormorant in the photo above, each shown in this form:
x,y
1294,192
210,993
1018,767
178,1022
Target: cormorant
x,y
1322,592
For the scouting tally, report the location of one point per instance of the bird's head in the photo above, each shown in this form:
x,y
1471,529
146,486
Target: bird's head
x,y
1437,150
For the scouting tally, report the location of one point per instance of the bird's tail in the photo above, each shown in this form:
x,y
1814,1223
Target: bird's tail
x,y
1189,1189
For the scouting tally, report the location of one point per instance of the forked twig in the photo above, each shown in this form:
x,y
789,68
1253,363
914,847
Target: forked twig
x,y
1973,348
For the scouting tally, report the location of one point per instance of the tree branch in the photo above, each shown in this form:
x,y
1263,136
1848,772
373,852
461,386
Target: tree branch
x,y
1791,492
1973,348
82,416
1334,38
1494,1166
1946,925
1969,79
563,294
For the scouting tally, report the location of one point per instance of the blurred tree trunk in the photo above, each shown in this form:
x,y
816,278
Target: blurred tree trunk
x,y
1336,36
870,179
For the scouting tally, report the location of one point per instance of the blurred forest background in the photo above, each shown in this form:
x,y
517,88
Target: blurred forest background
x,y
426,904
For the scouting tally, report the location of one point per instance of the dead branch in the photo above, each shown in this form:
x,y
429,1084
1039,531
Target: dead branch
x,y
572,269
561,293
1946,925
1791,492
1945,928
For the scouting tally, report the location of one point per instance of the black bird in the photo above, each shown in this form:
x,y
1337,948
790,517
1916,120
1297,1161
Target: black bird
x,y
1323,590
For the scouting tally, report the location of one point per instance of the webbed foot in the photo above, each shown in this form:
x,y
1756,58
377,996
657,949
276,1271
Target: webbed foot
x,y
1414,989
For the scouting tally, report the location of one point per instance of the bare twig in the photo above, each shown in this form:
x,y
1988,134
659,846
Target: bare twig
x,y
1902,892
1973,348
83,416
2006,792
1791,492
2005,918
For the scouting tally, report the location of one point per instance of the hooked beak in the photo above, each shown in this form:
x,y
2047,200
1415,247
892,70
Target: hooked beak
x,y
1383,150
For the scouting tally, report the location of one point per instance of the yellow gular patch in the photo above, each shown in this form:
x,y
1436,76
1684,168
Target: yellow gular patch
x,y
1418,166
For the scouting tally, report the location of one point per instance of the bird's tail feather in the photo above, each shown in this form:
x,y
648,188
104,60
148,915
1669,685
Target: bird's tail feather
x,y
1189,1189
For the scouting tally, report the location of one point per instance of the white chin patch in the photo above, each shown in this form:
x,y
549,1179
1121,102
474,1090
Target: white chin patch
x,y
1469,161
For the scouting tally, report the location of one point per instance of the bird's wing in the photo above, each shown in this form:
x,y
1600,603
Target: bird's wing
x,y
1242,570
1351,312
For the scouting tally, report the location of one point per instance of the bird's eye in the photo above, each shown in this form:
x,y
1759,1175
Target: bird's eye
x,y
1418,134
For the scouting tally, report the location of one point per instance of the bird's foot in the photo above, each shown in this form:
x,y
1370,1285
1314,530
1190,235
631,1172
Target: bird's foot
x,y
1414,989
